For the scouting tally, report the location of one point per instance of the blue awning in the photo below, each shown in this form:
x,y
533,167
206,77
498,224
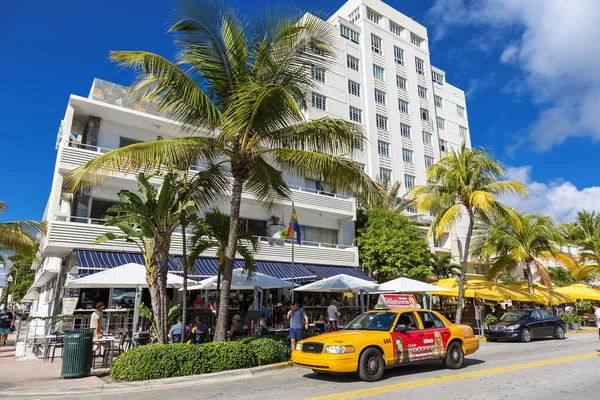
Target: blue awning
x,y
90,261
327,271
284,271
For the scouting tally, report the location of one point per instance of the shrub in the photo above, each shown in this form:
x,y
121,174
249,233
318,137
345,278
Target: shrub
x,y
169,360
489,319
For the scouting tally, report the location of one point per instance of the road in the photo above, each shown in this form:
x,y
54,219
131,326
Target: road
x,y
545,369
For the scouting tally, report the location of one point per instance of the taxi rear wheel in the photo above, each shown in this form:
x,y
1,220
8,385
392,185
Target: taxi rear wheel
x,y
455,357
371,365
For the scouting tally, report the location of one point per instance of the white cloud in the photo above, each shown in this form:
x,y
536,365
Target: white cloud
x,y
559,199
556,52
477,84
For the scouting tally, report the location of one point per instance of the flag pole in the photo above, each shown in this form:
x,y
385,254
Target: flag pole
x,y
293,254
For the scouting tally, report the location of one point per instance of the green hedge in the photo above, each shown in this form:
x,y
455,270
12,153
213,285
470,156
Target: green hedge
x,y
165,361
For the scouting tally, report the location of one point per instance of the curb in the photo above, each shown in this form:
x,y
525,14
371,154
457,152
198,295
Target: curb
x,y
152,384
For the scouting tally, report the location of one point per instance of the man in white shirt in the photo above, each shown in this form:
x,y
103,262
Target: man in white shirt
x,y
333,314
597,314
96,319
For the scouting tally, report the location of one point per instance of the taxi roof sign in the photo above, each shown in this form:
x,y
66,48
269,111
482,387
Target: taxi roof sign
x,y
394,301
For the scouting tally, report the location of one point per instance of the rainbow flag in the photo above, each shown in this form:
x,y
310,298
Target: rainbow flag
x,y
294,228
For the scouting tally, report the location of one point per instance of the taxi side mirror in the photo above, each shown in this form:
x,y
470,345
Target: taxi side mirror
x,y
400,328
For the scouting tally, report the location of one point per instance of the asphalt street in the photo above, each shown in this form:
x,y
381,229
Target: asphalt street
x,y
544,369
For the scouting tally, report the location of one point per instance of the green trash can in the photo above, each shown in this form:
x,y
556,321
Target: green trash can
x,y
77,353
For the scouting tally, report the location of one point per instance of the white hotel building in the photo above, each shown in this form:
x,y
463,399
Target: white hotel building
x,y
383,80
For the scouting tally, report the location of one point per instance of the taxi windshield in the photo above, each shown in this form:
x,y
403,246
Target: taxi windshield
x,y
373,321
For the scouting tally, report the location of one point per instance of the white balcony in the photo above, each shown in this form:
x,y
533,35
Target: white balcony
x,y
65,236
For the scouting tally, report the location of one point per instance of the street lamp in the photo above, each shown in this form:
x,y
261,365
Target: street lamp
x,y
9,280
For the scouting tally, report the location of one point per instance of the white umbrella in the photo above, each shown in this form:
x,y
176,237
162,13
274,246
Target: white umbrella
x,y
126,276
406,285
339,283
240,281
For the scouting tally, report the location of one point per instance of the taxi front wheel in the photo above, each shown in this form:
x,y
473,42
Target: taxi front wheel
x,y
455,357
371,365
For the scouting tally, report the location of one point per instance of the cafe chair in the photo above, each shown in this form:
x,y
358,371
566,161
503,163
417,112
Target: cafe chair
x,y
58,343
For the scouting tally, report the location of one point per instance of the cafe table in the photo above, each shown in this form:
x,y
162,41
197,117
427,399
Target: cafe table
x,y
105,343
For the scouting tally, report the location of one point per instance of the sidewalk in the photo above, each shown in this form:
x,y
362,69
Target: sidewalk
x,y
35,375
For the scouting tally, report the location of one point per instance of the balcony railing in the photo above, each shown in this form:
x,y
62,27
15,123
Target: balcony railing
x,y
63,236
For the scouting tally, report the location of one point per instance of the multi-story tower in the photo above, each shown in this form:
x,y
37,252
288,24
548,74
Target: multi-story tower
x,y
383,80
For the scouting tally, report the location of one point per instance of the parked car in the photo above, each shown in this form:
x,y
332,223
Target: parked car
x,y
525,325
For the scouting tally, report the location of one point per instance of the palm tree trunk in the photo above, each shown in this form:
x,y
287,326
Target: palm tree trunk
x,y
529,277
234,224
463,272
159,298
185,278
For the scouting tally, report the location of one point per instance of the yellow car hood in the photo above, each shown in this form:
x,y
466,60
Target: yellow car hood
x,y
342,337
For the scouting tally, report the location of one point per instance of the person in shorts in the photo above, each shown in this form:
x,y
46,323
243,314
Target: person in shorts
x,y
296,317
6,319
597,315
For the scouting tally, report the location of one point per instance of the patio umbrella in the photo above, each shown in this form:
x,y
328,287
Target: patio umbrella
x,y
240,281
339,283
580,292
126,276
406,285
543,294
471,290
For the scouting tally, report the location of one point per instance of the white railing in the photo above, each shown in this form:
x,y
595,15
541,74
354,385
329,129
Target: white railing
x,y
279,241
320,192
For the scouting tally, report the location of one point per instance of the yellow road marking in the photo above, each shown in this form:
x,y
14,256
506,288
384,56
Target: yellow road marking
x,y
451,378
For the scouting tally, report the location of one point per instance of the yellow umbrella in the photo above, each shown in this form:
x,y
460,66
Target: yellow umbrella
x,y
543,295
581,292
470,291
514,294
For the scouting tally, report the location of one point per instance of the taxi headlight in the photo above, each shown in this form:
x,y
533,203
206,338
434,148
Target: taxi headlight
x,y
339,349
512,327
299,346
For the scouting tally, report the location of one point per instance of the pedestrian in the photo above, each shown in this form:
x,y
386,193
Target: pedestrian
x,y
96,319
296,315
333,315
597,315
346,302
175,333
6,319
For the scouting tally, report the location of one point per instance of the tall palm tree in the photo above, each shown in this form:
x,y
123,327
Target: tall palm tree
x,y
584,233
530,240
466,181
239,88
443,266
17,236
149,220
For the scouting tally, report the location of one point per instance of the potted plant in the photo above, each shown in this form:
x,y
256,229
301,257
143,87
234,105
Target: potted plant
x,y
572,319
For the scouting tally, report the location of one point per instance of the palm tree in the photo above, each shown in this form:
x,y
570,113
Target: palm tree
x,y
530,240
585,234
150,220
17,236
464,182
443,266
239,90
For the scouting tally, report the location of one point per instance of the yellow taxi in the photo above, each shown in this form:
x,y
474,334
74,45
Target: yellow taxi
x,y
386,338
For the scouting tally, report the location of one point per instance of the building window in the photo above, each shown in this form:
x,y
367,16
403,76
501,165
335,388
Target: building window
x,y
358,143
379,96
417,41
424,114
360,166
403,106
319,101
356,115
376,44
405,130
385,174
349,34
409,182
381,122
354,15
427,138
383,148
396,29
318,74
398,55
316,47
428,161
462,131
438,101
352,62
354,88
400,82
407,156
443,146
373,16
437,78
378,72
411,209
422,92
460,111
420,66
441,123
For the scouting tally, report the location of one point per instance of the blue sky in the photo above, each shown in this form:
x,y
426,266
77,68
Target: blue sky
x,y
527,107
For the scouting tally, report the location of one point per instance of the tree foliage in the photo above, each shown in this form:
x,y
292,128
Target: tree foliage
x,y
18,236
560,276
22,274
443,266
391,246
